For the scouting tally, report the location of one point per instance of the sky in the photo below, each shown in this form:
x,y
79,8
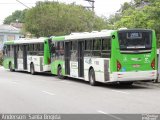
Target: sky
x,y
102,7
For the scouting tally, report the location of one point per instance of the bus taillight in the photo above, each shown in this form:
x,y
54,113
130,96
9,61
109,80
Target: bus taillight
x,y
118,65
153,63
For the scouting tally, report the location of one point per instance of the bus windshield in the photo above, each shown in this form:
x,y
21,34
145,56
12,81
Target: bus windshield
x,y
135,40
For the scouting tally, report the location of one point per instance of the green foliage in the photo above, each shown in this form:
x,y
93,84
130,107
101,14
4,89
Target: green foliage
x,y
17,15
126,6
53,18
139,14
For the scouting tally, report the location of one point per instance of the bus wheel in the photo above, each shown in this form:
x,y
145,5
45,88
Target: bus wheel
x,y
32,69
59,72
92,79
10,67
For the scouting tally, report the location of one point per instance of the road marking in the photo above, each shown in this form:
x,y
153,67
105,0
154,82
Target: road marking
x,y
113,116
100,111
120,91
49,93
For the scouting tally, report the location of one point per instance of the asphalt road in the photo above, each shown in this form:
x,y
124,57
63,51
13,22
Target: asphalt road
x,y
21,92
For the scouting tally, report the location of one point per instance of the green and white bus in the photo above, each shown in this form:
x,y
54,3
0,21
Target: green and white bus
x,y
32,55
122,56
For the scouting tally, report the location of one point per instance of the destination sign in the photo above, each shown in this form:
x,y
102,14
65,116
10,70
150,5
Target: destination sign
x,y
134,35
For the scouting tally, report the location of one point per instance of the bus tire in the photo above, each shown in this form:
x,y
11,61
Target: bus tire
x,y
32,70
92,79
59,72
10,67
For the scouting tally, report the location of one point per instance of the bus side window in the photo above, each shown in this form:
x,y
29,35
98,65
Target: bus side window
x,y
53,48
12,51
27,47
74,54
20,51
96,48
30,49
61,50
87,45
41,47
8,50
106,48
97,44
4,50
88,48
35,48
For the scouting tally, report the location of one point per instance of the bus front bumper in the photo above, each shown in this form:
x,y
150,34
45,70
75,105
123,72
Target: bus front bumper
x,y
133,76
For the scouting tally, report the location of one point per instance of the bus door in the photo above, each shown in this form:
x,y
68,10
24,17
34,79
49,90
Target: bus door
x,y
15,56
81,58
24,57
67,57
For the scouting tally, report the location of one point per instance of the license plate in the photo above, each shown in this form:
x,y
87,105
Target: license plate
x,y
136,65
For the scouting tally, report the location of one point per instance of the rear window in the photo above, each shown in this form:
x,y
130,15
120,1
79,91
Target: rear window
x,y
133,40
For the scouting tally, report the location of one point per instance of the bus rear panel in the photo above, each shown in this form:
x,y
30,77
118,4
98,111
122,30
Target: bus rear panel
x,y
133,56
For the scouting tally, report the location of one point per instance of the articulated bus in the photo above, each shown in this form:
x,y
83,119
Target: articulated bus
x,y
108,56
122,56
32,55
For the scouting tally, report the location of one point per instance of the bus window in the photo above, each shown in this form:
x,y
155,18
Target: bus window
x,y
61,48
135,40
5,50
37,47
41,47
97,44
74,51
53,48
57,50
12,51
20,51
96,48
106,44
106,48
88,44
8,50
88,48
30,47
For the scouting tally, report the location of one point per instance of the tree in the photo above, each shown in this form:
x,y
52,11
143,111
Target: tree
x,y
53,18
16,16
140,14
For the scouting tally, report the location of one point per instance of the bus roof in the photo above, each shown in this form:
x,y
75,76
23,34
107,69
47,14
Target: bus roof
x,y
86,35
26,40
58,38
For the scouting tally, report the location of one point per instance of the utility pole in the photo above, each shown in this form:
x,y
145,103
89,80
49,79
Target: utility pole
x,y
91,2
